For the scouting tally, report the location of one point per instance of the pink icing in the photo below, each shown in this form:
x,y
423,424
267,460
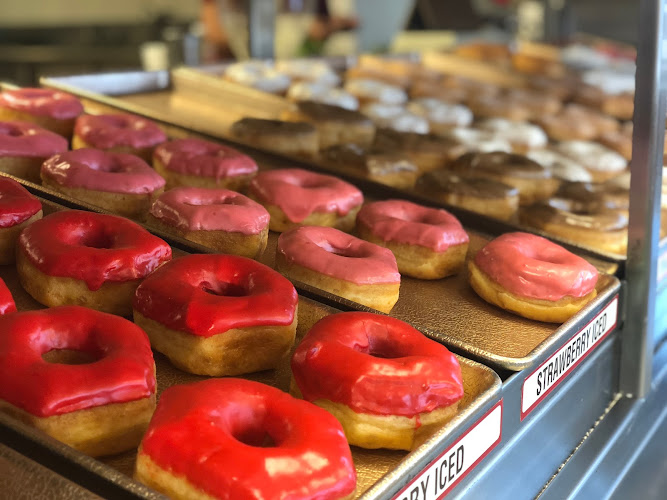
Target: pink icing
x,y
299,193
534,267
43,102
334,253
110,131
199,209
28,140
204,158
102,171
404,222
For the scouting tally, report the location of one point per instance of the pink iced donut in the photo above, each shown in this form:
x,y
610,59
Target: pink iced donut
x,y
24,146
198,163
121,183
51,109
122,133
218,218
296,197
428,243
18,209
334,261
533,277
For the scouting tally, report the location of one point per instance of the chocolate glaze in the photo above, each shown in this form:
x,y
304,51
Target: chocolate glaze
x,y
251,126
375,162
320,111
439,182
499,164
594,197
393,140
558,211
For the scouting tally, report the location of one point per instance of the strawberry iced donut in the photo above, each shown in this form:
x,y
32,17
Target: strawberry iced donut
x,y
218,314
84,377
119,133
217,218
7,304
204,164
385,382
296,197
24,147
121,183
340,264
18,209
84,258
428,243
532,277
50,109
242,440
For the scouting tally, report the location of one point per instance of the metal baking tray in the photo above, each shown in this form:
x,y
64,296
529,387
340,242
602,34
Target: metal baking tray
x,y
481,389
155,96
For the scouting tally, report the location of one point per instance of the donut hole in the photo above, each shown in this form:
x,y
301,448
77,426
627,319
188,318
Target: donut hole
x,y
223,289
309,183
112,166
383,348
97,239
68,357
343,252
259,438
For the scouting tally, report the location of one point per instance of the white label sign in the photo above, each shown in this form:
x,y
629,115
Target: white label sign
x,y
441,475
554,370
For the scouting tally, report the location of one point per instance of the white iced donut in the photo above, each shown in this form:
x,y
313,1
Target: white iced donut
x,y
441,115
601,162
367,90
395,117
260,75
309,70
561,166
320,92
521,135
480,141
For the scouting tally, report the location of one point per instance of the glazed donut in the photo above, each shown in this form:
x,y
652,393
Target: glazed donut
x,y
118,133
368,90
428,243
121,183
441,116
396,117
436,90
522,136
18,209
606,230
532,277
296,197
81,376
334,125
617,104
601,162
575,122
479,141
260,75
537,103
223,220
385,382
484,106
50,109
207,440
395,81
562,167
203,164
218,314
560,88
310,70
24,147
619,141
497,53
318,92
533,181
84,258
484,196
340,264
285,137
7,304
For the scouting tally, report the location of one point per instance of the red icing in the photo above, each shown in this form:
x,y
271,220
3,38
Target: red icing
x,y
198,209
43,102
336,254
123,370
404,222
7,304
110,131
534,267
375,364
102,171
17,205
25,139
209,294
92,247
299,193
204,158
210,433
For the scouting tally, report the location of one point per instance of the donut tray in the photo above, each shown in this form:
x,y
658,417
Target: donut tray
x,y
181,101
383,471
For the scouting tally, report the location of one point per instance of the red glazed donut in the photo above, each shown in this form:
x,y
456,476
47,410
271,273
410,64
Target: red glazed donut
x,y
383,380
83,258
297,197
120,183
340,264
24,147
217,218
120,133
197,163
532,277
218,314
18,209
205,441
428,243
7,304
99,407
50,109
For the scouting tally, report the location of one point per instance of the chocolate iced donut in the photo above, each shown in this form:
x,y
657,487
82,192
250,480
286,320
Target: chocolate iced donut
x,y
291,138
